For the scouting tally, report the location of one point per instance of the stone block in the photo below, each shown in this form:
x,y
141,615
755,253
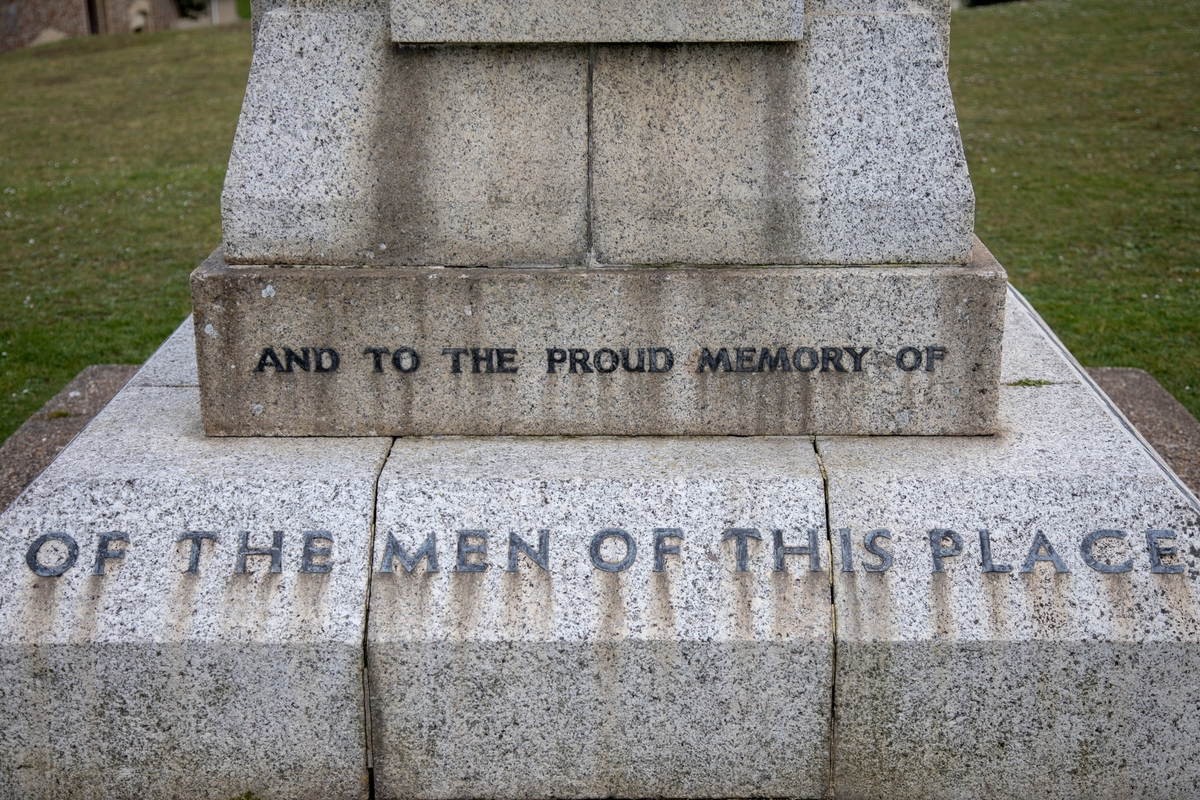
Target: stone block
x,y
837,147
482,157
125,673
301,179
636,659
555,21
557,351
1028,355
351,151
842,148
1033,629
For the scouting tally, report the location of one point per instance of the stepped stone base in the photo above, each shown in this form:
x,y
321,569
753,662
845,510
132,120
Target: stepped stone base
x,y
661,639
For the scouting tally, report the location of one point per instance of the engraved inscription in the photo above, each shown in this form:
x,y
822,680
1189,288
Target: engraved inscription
x,y
606,360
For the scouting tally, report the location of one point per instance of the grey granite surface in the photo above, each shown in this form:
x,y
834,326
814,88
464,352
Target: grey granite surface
x,y
668,673
301,178
174,362
944,323
128,676
1072,673
1167,425
541,21
31,447
1064,663
840,149
653,146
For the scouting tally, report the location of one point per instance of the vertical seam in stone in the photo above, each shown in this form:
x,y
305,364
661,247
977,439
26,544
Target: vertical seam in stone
x,y
829,790
366,680
590,237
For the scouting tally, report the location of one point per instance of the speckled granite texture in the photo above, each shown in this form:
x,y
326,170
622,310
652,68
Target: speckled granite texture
x,y
1167,425
943,323
696,680
537,21
1019,670
32,447
148,681
1073,673
839,147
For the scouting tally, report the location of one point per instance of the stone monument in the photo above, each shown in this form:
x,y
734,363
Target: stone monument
x,y
597,400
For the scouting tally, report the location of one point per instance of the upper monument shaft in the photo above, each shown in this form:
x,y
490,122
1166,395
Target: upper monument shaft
x,y
840,146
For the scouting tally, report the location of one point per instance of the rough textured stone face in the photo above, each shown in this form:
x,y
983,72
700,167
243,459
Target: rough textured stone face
x,y
837,146
663,671
150,681
1071,673
842,148
539,21
301,184
1054,655
482,157
721,351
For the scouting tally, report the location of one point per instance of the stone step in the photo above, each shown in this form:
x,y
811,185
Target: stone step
x,y
991,616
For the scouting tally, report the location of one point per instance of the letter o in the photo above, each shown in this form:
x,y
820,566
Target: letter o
x,y
41,570
902,362
413,360
611,566
813,359
613,360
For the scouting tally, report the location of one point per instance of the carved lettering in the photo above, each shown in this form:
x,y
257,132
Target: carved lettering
x,y
393,551
541,556
612,566
33,554
741,551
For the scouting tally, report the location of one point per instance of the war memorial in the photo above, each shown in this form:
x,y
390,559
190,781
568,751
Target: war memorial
x,y
602,400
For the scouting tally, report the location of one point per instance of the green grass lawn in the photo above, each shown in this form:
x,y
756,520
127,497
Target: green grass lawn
x,y
1080,120
112,155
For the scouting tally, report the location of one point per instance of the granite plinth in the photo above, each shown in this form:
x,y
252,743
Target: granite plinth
x,y
1036,632
619,351
1073,672
841,147
539,21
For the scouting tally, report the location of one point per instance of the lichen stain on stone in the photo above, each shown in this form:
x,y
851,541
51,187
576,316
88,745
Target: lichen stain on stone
x,y
1178,599
610,622
998,588
182,602
742,605
662,610
940,598
308,602
787,610
1121,611
1051,599
252,593
465,603
527,603
41,607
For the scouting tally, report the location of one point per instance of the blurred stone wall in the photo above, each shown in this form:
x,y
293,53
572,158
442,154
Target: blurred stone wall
x,y
28,22
23,21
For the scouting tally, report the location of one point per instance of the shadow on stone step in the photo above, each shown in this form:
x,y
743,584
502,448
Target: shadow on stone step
x,y
35,444
1160,418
